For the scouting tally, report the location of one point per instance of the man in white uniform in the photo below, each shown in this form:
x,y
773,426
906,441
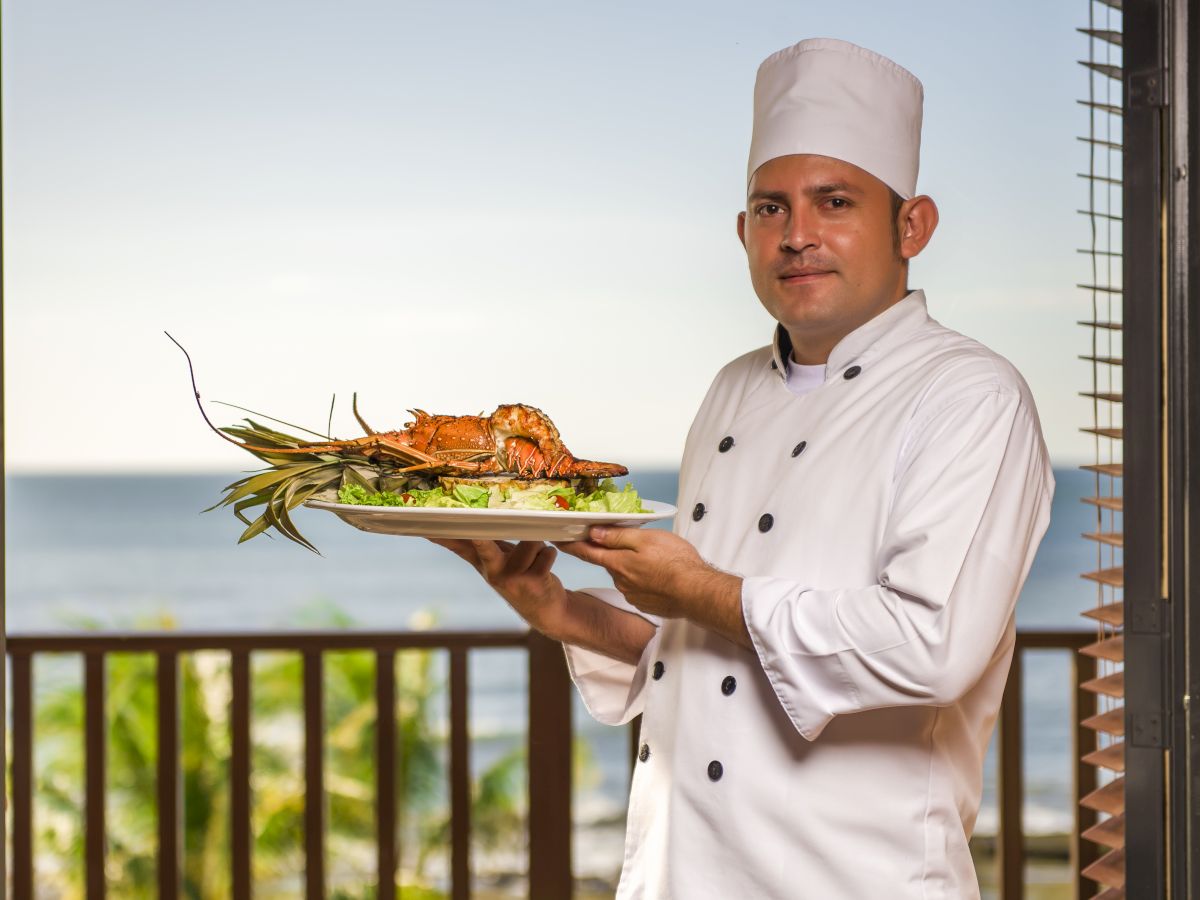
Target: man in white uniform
x,y
820,648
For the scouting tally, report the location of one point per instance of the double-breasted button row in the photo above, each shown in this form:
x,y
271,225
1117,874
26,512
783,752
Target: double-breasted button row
x,y
848,374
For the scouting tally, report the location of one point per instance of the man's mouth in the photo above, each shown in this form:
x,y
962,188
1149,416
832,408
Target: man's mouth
x,y
803,276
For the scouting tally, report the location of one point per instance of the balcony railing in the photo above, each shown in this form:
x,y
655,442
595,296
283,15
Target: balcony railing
x,y
549,751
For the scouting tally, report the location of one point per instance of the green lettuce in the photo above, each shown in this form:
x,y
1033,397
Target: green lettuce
x,y
606,498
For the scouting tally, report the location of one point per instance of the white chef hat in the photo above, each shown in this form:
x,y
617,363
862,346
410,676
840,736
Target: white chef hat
x,y
837,99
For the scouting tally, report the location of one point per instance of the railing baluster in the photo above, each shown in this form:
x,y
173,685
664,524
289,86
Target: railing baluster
x,y
460,779
1011,843
22,774
549,769
314,776
385,772
239,773
94,772
169,787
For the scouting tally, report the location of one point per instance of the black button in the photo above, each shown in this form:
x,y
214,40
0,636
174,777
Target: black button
x,y
644,753
715,770
765,522
726,443
659,668
773,365
799,448
728,685
851,372
697,512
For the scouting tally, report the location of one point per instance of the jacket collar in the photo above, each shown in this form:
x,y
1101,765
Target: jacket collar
x,y
887,329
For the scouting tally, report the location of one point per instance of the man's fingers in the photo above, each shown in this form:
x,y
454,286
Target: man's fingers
x,y
461,549
615,538
544,560
491,557
584,550
521,556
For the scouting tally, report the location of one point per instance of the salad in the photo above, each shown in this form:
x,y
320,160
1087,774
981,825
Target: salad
x,y
463,495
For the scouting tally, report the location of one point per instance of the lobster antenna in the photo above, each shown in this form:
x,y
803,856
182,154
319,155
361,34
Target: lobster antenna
x,y
196,391
208,421
365,427
329,424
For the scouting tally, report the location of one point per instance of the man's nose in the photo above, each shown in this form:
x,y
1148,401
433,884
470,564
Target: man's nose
x,y
800,232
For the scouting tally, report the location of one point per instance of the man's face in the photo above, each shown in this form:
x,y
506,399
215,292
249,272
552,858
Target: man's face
x,y
820,241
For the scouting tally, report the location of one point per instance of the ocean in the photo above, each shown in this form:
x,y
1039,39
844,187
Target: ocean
x,y
135,551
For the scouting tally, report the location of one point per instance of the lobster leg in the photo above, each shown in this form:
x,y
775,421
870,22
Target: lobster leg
x,y
384,444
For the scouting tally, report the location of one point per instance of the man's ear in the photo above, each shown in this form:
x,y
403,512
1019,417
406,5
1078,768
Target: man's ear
x,y
741,228
918,221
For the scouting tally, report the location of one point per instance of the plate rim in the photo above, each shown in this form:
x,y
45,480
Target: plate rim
x,y
665,511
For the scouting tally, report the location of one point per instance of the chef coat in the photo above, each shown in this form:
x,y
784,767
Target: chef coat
x,y
883,524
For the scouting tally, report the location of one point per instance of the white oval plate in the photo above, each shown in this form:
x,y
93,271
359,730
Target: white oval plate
x,y
487,524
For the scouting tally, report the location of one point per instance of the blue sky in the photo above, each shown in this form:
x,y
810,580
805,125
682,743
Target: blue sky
x,y
456,205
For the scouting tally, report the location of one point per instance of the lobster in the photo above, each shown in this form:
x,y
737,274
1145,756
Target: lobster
x,y
516,440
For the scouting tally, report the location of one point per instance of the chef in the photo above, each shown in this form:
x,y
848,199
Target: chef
x,y
819,649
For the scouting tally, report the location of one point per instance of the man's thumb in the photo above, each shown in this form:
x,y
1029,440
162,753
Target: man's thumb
x,y
610,537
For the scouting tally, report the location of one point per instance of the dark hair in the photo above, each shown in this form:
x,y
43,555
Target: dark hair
x,y
897,202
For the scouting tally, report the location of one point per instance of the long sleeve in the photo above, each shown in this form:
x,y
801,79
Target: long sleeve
x,y
971,501
611,689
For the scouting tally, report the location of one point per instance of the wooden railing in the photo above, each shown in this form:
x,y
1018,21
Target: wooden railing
x,y
1010,838
549,756
549,751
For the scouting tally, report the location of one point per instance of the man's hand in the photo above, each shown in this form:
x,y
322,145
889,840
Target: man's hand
x,y
662,574
520,573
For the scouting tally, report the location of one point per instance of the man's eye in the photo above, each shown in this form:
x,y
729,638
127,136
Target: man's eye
x,y
839,200
767,209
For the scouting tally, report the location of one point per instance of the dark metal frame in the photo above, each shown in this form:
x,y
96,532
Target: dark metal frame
x,y
1162,410
1182,197
1145,616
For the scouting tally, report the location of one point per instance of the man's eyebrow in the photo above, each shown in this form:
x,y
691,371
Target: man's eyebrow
x,y
834,187
819,190
775,196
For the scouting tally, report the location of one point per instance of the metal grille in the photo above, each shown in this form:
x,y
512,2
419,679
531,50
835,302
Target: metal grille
x,y
1101,781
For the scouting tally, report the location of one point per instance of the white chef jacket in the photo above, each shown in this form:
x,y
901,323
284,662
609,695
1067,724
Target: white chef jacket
x,y
883,524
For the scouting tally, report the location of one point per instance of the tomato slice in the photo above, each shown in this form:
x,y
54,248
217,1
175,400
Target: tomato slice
x,y
406,497
561,501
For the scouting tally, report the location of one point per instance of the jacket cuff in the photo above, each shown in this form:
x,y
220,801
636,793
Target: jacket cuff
x,y
809,683
611,690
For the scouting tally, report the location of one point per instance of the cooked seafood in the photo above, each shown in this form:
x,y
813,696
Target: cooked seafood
x,y
516,440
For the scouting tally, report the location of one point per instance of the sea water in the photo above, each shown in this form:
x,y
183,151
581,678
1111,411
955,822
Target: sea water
x,y
134,551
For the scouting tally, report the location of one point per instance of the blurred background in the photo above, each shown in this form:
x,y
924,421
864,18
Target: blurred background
x,y
450,207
